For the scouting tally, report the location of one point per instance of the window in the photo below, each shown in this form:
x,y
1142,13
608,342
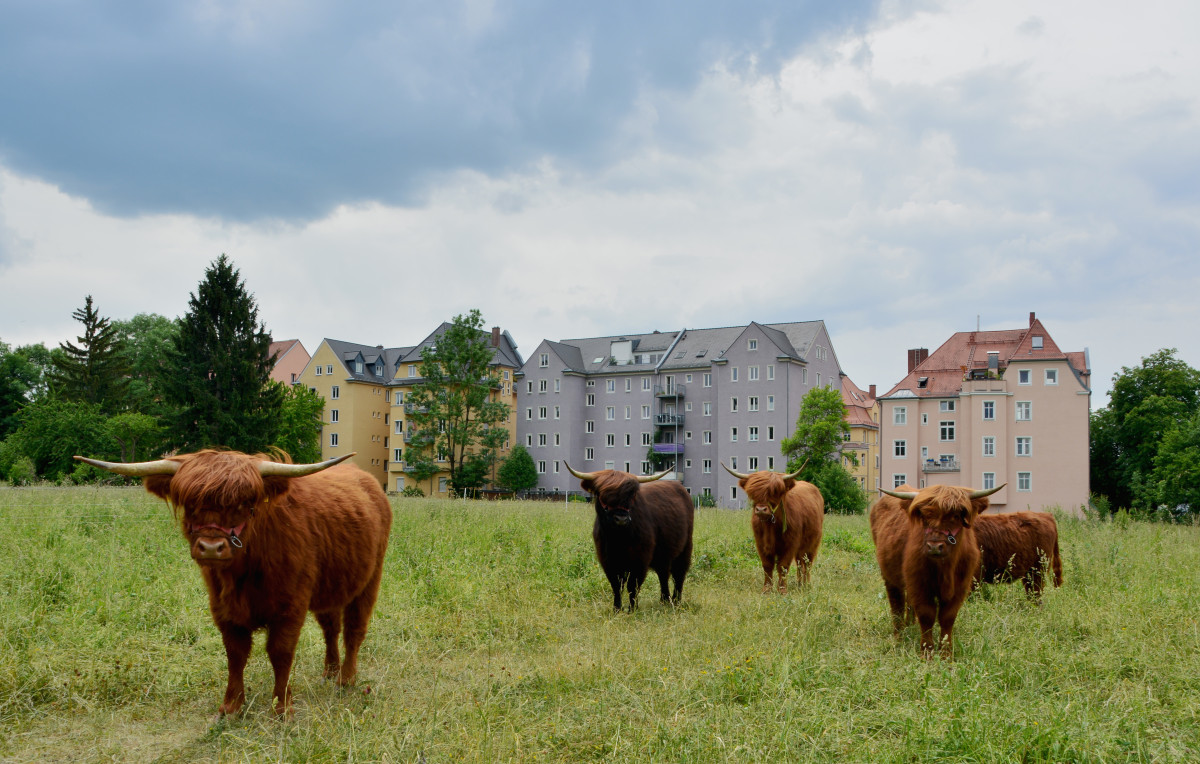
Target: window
x,y
1024,411
591,400
591,383
556,466
733,462
752,433
589,426
770,403
544,360
589,454
542,385
329,369
541,412
900,415
1024,481
333,439
707,408
770,371
899,448
628,384
1038,342
733,491
541,467
733,404
557,439
541,440
899,479
610,413
529,386
645,412
646,468
399,426
924,419
989,481
441,485
412,370
318,371
646,439
706,437
770,462
989,410
687,434
733,373
752,463
752,403
610,440
529,413
707,380
947,430
556,412
733,435
646,384
609,465
529,440
818,379
557,385
1024,445
335,392
628,412
752,373
706,468
989,445
333,416
946,406
628,439
770,433
752,345
1024,377
1051,376
804,376
687,464
610,385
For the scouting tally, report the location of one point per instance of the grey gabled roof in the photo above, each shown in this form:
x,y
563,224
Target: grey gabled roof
x,y
569,354
595,352
349,352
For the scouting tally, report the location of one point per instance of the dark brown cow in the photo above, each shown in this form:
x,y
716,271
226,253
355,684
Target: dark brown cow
x,y
787,519
640,525
274,541
1019,546
928,554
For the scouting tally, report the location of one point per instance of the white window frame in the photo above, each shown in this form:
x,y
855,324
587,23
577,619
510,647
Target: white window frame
x,y
947,426
899,479
1024,377
752,373
335,392
1023,445
610,413
988,411
752,434
988,448
1023,411
333,440
900,415
544,360
707,379
1051,377
1027,479
900,448
989,481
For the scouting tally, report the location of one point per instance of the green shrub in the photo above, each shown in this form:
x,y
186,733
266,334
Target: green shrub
x,y
412,492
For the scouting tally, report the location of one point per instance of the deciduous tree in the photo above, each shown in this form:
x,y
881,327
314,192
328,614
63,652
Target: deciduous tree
x,y
821,428
518,472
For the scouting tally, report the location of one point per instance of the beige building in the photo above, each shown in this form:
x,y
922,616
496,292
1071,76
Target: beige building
x,y
988,408
365,386
862,442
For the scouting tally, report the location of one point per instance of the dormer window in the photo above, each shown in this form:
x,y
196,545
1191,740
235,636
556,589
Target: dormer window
x,y
358,367
922,381
1037,342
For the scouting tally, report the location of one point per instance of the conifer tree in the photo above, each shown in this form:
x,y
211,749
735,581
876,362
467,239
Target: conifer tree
x,y
218,373
95,371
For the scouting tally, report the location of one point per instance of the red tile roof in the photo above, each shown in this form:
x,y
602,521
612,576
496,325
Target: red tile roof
x,y
858,405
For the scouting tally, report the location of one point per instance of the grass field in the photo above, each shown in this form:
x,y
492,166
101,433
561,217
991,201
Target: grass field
x,y
494,640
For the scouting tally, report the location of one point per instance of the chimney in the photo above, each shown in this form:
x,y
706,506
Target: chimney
x,y
916,357
495,336
1032,316
871,392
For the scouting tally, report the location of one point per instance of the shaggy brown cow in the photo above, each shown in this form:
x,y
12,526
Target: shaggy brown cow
x,y
1018,546
274,541
787,519
928,554
639,527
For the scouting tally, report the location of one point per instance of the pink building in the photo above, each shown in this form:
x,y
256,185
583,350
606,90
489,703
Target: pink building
x,y
988,408
289,359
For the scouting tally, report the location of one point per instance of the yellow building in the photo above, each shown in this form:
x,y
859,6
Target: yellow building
x,y
862,442
365,386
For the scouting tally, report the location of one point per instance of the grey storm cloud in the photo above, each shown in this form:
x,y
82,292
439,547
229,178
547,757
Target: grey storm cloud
x,y
247,111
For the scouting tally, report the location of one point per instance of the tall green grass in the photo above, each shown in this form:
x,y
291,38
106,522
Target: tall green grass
x,y
494,640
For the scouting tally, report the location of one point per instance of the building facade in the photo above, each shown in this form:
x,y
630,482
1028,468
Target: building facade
x,y
365,386
694,397
288,359
860,451
990,408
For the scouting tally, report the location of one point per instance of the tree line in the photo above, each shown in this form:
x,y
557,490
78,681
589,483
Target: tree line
x,y
133,390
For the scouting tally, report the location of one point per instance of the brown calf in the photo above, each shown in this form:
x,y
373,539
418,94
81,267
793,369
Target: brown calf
x,y
786,521
928,555
1018,546
273,542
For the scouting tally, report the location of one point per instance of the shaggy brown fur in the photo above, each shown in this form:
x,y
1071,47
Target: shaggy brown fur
x,y
923,572
306,543
787,519
638,527
1018,546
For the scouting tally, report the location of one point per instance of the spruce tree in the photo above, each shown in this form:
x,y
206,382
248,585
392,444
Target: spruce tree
x,y
97,370
218,373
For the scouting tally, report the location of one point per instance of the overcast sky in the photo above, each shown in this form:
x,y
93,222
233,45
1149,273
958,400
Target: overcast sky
x,y
901,170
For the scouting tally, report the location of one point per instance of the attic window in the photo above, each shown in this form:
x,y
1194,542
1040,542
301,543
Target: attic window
x,y
1037,342
679,355
700,353
598,360
922,381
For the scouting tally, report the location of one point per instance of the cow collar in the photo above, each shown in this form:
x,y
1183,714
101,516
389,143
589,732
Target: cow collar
x,y
950,534
775,510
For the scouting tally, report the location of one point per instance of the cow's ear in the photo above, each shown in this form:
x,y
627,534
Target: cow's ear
x,y
977,508
589,485
742,483
908,506
159,485
789,484
275,486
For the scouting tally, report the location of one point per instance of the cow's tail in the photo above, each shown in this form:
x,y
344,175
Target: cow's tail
x,y
1056,564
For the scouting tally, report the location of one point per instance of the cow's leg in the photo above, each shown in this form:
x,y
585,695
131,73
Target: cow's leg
x,y
926,615
616,582
237,651
679,569
803,566
768,571
633,584
900,611
946,618
282,637
331,626
664,579
357,616
781,575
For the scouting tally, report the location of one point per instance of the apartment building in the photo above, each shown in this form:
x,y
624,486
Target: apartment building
x,y
696,397
992,407
860,451
288,359
365,386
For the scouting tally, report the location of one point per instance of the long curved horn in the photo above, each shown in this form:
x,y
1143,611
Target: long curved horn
x,y
580,475
278,469
737,475
135,469
981,493
652,478
796,474
906,495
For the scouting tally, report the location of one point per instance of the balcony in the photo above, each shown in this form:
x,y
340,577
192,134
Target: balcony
x,y
942,465
668,448
668,391
412,407
668,420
